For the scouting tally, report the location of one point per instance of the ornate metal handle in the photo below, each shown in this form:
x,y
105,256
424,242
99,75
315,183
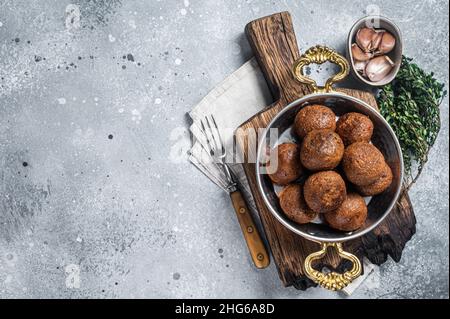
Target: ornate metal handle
x,y
332,280
319,55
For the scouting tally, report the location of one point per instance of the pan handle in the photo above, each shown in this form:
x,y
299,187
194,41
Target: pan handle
x,y
320,54
332,280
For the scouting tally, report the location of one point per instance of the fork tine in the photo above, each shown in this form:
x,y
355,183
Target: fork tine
x,y
220,157
213,136
222,146
205,132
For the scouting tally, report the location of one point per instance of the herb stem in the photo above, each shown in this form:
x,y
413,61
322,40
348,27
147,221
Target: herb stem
x,y
410,104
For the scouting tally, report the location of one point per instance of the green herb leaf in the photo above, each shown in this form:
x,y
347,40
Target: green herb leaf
x,y
410,104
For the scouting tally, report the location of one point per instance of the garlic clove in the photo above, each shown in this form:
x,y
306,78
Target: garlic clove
x,y
360,67
359,55
376,39
387,43
378,68
364,38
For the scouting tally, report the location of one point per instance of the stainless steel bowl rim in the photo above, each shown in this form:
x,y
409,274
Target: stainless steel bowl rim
x,y
277,214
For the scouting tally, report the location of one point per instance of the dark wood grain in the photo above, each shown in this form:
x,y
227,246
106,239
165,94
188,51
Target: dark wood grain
x,y
276,55
274,44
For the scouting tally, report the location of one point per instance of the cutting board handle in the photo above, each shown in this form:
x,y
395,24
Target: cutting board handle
x,y
273,41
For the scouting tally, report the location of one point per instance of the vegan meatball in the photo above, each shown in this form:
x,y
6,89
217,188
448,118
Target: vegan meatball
x,y
293,204
314,117
351,215
363,163
324,191
354,127
380,185
284,165
321,150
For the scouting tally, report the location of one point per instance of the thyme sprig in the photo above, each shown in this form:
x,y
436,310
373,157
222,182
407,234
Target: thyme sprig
x,y
410,104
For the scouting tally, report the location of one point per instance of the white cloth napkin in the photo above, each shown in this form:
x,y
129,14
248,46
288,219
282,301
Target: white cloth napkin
x,y
240,96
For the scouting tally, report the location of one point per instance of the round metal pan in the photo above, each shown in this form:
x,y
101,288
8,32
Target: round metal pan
x,y
383,138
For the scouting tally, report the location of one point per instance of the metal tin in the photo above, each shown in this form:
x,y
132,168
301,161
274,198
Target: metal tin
x,y
379,22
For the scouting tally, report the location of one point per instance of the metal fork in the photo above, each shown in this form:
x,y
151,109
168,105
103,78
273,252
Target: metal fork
x,y
216,148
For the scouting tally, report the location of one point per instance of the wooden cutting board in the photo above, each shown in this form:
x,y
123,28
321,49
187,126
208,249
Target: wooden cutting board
x,y
274,44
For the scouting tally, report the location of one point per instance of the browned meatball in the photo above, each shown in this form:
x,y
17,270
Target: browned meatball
x,y
324,191
314,117
351,215
354,127
286,167
321,150
362,163
380,185
293,204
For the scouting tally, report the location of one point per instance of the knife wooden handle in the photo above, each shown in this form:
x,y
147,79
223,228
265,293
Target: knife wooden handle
x,y
255,244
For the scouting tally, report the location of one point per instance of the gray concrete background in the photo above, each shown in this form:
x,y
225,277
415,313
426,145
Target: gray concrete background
x,y
114,211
